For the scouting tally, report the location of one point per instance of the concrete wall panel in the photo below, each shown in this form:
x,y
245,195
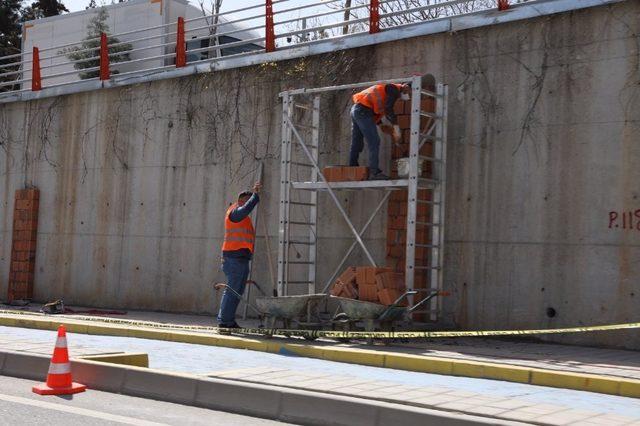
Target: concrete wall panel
x,y
543,153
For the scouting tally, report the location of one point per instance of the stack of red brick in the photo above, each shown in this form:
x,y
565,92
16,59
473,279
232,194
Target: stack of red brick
x,y
23,250
370,284
345,173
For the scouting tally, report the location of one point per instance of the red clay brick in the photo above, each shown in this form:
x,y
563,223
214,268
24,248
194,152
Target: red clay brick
x,y
404,121
19,255
337,289
388,296
27,204
355,173
332,174
368,293
392,280
428,104
348,276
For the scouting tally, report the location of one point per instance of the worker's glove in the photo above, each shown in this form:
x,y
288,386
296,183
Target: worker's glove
x,y
397,135
385,121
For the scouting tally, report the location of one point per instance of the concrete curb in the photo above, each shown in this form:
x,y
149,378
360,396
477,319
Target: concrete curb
x,y
399,361
271,402
136,359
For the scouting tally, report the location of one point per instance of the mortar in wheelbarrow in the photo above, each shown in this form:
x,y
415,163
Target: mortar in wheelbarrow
x,y
287,307
359,309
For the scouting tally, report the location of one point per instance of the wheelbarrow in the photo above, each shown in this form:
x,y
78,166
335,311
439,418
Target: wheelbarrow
x,y
301,310
352,311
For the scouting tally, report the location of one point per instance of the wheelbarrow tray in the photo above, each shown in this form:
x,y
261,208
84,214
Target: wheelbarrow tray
x,y
362,310
287,307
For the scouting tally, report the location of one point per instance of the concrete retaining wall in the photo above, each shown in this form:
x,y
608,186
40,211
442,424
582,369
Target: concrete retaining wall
x,y
543,165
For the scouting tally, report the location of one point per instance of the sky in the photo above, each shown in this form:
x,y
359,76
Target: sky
x,y
227,5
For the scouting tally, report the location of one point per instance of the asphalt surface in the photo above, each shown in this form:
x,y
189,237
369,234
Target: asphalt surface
x,y
19,406
203,360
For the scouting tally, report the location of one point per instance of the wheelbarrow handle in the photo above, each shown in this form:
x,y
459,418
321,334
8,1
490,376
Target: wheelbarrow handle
x,y
220,286
405,294
431,295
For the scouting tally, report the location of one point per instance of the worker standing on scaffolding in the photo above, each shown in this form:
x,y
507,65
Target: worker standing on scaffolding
x,y
237,251
372,107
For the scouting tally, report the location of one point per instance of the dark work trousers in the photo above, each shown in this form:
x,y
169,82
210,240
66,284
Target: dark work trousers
x,y
364,127
236,269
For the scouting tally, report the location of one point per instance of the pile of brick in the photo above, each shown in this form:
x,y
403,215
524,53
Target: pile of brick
x,y
345,173
370,284
23,249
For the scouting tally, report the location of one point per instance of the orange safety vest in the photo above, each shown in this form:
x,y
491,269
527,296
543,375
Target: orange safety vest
x,y
238,235
374,98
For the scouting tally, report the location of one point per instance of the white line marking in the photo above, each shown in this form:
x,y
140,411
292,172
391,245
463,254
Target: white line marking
x,y
79,411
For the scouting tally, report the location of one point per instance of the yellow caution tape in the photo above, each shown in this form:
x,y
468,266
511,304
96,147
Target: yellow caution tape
x,y
336,334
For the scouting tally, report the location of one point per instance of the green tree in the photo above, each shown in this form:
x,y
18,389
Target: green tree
x,y
10,30
43,9
97,25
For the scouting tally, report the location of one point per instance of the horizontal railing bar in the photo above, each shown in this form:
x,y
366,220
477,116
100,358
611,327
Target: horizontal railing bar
x,y
70,72
298,203
303,106
297,163
307,243
146,70
299,262
15,55
15,64
11,83
150,58
322,27
241,30
233,11
292,222
223,57
332,12
13,73
296,8
300,282
345,86
422,8
429,114
227,45
428,245
427,224
427,202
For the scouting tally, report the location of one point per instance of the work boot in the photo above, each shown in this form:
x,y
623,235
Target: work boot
x,y
377,175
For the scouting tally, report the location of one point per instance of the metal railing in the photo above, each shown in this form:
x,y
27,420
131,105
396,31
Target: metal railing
x,y
165,47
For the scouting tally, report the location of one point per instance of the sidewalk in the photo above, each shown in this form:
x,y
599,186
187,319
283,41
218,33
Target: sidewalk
x,y
477,397
44,347
515,357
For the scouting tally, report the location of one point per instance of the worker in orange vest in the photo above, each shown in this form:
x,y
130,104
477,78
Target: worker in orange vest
x,y
237,251
372,107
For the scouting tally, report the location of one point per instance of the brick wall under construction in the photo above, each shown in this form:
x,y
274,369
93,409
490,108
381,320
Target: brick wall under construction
x,y
23,247
397,204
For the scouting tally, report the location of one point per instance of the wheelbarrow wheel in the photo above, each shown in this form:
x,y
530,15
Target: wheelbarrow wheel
x,y
341,322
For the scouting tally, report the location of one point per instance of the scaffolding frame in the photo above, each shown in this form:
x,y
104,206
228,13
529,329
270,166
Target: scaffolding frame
x,y
316,183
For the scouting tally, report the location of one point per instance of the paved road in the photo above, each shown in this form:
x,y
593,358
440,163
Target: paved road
x,y
19,406
216,361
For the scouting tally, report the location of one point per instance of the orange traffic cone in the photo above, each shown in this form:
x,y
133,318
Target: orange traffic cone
x,y
59,380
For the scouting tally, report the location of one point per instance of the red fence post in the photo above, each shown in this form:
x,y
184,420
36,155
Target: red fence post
x,y
181,53
36,81
374,17
503,4
270,35
104,58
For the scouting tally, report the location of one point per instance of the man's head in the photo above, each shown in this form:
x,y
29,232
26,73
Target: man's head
x,y
243,197
405,92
